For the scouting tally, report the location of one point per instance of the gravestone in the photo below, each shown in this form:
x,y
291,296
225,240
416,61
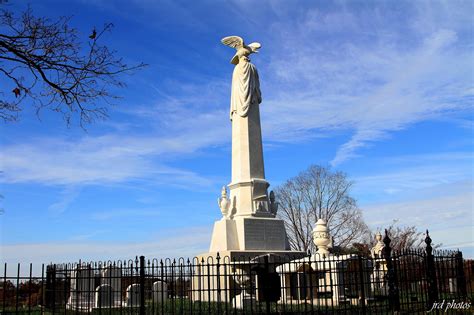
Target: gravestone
x,y
453,285
104,296
112,276
160,291
82,289
133,295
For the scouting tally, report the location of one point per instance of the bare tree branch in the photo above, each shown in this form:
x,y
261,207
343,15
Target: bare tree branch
x,y
49,65
405,237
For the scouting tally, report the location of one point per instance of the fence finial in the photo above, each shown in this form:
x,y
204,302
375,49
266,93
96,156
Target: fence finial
x,y
386,239
428,241
428,238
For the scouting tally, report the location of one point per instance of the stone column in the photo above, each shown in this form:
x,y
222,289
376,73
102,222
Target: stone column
x,y
248,189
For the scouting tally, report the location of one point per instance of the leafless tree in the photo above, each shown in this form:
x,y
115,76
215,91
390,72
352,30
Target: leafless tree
x,y
315,193
47,64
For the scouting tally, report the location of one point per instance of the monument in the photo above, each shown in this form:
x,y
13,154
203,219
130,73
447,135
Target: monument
x,y
249,226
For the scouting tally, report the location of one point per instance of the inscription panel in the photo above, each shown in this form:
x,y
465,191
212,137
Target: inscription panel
x,y
264,234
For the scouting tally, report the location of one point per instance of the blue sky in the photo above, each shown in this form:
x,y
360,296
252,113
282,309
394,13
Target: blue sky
x,y
381,90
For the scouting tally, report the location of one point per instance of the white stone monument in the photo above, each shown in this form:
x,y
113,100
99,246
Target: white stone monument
x,y
379,285
249,226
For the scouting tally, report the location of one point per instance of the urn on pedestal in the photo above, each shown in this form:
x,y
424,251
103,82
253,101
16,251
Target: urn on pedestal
x,y
224,203
321,238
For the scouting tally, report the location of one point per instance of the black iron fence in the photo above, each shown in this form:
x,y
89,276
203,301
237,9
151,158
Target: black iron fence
x,y
409,282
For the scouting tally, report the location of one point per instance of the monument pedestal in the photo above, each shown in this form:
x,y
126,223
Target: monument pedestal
x,y
249,233
238,245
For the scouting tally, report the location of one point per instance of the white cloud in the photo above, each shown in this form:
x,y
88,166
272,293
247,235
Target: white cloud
x,y
67,196
177,243
111,158
420,175
374,81
175,126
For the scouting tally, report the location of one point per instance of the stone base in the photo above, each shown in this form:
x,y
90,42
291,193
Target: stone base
x,y
249,234
217,279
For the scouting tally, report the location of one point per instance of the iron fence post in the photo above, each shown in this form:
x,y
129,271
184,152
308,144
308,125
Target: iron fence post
x,y
391,276
430,272
362,283
218,283
142,285
266,284
460,277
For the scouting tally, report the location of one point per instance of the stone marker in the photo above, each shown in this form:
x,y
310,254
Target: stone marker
x,y
104,296
160,291
133,295
112,276
82,289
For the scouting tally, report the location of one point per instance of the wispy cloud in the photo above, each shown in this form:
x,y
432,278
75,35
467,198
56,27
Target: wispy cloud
x,y
172,244
175,126
421,175
67,196
375,81
432,212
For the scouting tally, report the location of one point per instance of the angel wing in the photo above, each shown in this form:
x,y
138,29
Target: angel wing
x,y
233,41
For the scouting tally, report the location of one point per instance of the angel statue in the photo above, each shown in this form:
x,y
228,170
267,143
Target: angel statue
x,y
245,82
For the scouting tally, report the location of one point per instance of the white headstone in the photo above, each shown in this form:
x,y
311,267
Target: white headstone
x,y
453,285
82,289
104,296
112,276
133,295
160,291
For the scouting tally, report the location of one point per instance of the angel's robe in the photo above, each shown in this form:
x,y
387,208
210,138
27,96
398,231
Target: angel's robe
x,y
245,88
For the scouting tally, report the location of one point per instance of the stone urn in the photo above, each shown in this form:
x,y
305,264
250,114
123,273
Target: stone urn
x,y
224,203
377,250
321,237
